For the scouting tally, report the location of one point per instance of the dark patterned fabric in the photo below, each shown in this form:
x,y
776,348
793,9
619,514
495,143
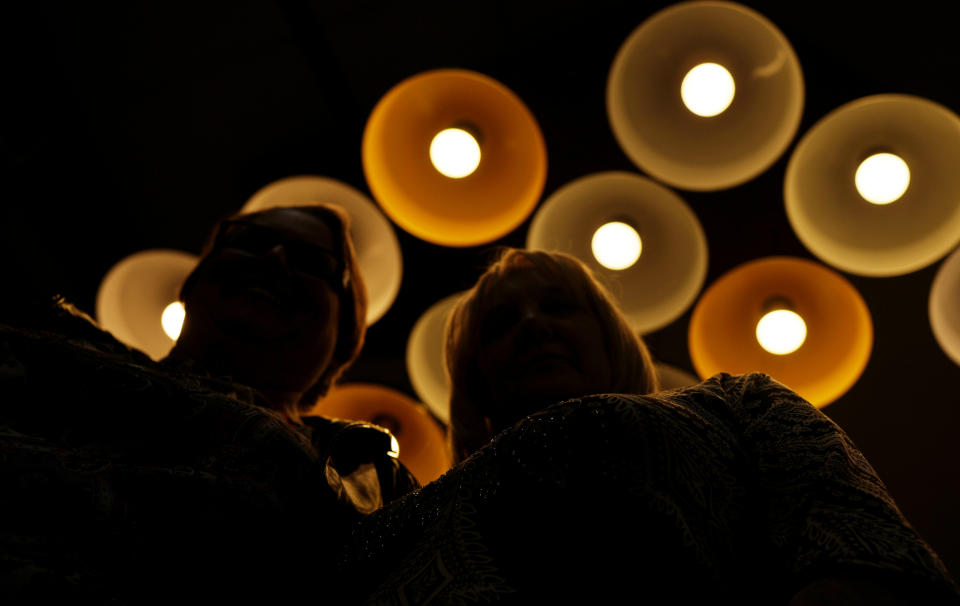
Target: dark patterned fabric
x,y
732,491
124,481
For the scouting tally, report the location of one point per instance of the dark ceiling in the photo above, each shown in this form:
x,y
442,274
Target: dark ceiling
x,y
137,126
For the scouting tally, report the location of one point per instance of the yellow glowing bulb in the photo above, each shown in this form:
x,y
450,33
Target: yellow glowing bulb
x,y
455,153
616,245
781,332
707,89
882,178
172,319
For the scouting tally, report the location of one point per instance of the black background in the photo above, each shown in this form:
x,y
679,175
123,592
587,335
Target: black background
x,y
136,126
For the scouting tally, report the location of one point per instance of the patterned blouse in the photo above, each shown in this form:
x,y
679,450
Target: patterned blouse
x,y
124,481
732,491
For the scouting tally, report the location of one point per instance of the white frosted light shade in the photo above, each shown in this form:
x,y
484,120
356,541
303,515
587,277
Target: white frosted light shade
x,y
742,138
668,275
831,217
378,251
944,306
882,178
134,294
455,153
425,362
781,332
616,245
708,89
172,319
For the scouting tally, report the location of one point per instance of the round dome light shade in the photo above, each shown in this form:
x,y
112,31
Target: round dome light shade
x,y
134,294
422,442
425,358
722,334
670,377
944,306
378,251
478,208
836,223
667,140
668,275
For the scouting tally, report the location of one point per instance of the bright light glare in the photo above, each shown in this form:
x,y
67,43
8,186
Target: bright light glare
x,y
882,178
455,153
707,89
616,245
172,319
781,332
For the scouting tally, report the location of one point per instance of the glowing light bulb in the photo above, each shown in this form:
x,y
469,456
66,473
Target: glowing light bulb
x,y
882,178
616,245
172,319
781,332
707,89
455,153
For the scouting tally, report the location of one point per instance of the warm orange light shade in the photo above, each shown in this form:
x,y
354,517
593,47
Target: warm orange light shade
x,y
478,208
422,444
722,336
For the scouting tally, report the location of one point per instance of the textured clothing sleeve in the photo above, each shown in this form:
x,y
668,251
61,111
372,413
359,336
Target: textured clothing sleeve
x,y
823,508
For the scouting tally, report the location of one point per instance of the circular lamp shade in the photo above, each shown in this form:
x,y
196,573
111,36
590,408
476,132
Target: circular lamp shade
x,y
422,443
378,251
134,294
838,224
425,359
944,306
839,332
463,210
669,272
647,95
671,377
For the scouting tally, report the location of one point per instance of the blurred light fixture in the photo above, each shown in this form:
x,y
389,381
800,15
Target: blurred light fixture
x,y
944,306
616,245
136,293
671,102
455,153
882,178
915,143
172,319
781,331
667,276
425,359
672,377
472,208
422,444
707,90
723,328
378,251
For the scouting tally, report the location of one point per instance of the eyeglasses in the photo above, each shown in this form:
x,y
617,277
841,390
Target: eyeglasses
x,y
301,256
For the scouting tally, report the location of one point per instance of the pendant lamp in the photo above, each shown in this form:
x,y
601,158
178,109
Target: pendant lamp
x,y
944,306
137,300
378,251
454,157
671,377
422,444
793,319
705,95
873,188
425,357
640,238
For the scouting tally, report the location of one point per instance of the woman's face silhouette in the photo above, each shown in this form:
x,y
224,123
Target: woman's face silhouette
x,y
540,344
271,282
